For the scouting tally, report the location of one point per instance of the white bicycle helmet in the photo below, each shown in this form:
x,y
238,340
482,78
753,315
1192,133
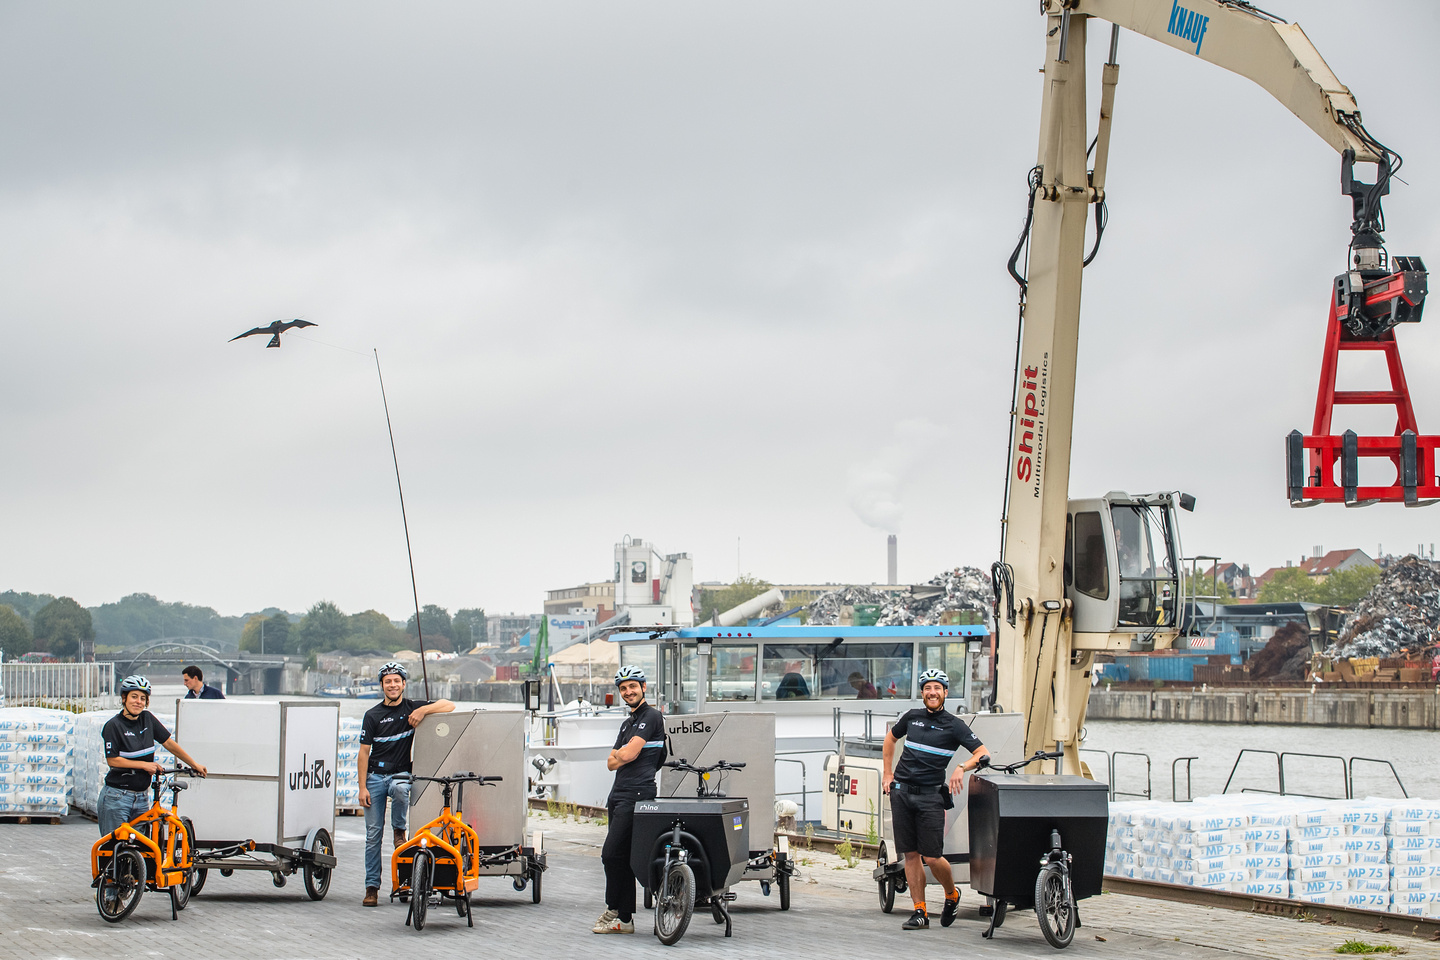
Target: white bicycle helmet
x,y
938,676
629,672
135,682
395,668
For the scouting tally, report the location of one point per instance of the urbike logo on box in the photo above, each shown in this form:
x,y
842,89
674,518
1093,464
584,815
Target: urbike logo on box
x,y
693,726
310,776
1030,425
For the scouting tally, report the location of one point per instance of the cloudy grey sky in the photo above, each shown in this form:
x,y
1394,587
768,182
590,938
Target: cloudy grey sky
x,y
703,273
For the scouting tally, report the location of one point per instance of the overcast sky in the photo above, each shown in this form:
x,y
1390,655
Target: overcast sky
x,y
711,274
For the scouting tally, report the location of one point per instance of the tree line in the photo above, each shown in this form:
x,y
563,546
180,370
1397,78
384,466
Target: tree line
x,y
57,625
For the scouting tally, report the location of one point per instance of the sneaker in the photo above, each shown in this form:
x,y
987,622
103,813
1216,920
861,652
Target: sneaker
x,y
617,926
947,915
606,918
919,920
372,897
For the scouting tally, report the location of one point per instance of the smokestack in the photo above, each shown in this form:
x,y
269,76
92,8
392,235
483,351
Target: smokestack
x,y
891,563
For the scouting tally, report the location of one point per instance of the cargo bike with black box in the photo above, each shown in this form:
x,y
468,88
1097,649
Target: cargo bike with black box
x,y
268,800
1037,841
689,852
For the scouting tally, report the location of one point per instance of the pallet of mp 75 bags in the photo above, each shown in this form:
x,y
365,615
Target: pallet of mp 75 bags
x,y
35,762
347,778
1412,842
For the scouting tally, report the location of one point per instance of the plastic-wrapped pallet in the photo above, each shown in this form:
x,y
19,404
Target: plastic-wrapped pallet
x,y
347,777
90,766
35,761
1412,847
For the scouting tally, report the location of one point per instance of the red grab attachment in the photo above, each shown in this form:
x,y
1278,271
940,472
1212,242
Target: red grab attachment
x,y
1363,316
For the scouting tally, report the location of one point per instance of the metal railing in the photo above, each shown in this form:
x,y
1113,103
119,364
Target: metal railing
x,y
1347,774
64,686
1110,772
1189,784
804,790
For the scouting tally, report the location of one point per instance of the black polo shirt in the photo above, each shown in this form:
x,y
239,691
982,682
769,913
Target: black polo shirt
x,y
387,732
636,780
132,740
931,739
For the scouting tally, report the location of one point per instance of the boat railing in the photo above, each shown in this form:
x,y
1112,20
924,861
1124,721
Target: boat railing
x,y
1112,774
804,792
1174,780
1347,774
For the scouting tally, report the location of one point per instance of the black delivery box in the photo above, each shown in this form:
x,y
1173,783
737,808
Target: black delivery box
x,y
1011,816
721,825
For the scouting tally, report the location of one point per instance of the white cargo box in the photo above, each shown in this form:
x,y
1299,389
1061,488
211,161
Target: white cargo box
x,y
271,767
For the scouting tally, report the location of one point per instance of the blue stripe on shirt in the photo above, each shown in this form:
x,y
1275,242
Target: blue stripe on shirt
x,y
398,736
911,745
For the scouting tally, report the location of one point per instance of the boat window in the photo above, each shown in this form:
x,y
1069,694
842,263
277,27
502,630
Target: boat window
x,y
732,673
642,655
949,657
837,671
1092,572
687,672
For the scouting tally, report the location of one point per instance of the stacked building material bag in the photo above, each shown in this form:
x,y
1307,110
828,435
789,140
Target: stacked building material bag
x,y
89,760
347,778
1412,848
35,761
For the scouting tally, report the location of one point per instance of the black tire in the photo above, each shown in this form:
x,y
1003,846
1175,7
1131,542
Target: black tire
x,y
675,904
519,883
121,885
317,878
1054,906
535,884
186,890
198,883
717,912
783,882
887,889
420,876
277,878
460,903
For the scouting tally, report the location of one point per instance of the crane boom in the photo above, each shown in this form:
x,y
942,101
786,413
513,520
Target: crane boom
x,y
1043,663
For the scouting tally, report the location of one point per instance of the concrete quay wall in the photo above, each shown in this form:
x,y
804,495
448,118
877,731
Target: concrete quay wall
x,y
1397,709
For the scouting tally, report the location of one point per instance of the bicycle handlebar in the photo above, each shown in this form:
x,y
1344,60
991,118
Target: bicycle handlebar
x,y
464,776
1014,767
689,767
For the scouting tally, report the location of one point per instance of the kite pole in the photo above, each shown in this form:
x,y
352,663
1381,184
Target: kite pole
x,y
414,590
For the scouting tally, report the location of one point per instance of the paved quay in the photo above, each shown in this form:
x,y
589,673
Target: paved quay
x,y
47,910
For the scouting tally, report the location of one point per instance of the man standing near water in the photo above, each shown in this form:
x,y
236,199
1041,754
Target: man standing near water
x,y
639,751
386,735
919,794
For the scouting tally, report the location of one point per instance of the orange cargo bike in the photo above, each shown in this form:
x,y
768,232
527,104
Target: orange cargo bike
x,y
441,862
151,852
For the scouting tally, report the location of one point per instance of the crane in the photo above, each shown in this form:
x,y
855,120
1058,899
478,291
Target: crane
x,y
1078,577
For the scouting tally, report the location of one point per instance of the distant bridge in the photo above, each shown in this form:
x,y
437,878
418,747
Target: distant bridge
x,y
182,651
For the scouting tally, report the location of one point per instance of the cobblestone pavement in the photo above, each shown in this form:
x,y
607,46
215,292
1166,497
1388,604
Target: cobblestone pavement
x,y
47,910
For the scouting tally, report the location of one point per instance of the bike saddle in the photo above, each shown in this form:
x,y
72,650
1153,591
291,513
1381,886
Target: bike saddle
x,y
177,785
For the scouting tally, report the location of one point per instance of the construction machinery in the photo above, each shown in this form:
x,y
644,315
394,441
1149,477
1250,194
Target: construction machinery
x,y
1079,577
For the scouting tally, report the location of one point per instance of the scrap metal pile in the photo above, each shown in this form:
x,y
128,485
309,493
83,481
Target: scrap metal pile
x,y
926,604
1401,613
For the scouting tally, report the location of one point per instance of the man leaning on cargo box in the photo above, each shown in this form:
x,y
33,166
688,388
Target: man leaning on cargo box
x,y
386,736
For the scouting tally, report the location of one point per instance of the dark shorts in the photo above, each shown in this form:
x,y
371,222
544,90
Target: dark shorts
x,y
919,821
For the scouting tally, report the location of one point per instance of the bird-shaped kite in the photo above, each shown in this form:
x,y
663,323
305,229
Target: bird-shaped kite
x,y
275,329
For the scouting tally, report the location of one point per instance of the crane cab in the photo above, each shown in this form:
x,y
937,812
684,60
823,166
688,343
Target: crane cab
x,y
1122,567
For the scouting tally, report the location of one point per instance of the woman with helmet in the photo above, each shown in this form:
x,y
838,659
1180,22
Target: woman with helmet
x,y
130,738
386,735
639,751
919,794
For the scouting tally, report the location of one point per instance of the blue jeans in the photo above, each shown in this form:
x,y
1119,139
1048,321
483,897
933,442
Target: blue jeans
x,y
117,806
381,788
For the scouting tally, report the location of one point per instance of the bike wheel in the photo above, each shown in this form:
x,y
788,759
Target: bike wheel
x,y
186,890
198,883
121,885
317,878
420,874
675,904
461,905
1054,906
887,889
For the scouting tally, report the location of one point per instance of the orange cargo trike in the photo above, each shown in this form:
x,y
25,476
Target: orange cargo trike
x,y
151,852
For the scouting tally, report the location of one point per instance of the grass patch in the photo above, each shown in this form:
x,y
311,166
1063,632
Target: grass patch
x,y
1366,949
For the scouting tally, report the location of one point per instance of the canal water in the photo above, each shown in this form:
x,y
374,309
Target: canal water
x,y
1217,747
